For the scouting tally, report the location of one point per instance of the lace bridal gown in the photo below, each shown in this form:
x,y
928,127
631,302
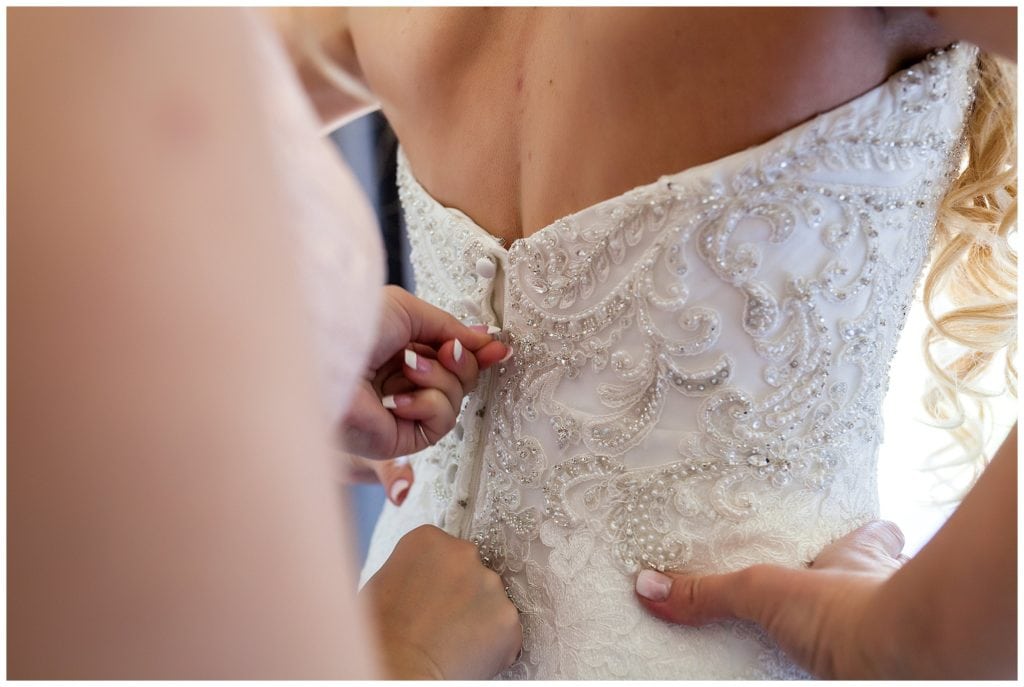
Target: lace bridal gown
x,y
697,381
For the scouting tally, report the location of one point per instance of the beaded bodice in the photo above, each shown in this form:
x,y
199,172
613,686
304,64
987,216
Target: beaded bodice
x,y
697,379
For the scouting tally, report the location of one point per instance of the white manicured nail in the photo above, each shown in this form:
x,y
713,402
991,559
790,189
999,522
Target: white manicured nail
x,y
388,402
457,351
507,355
652,585
410,358
491,329
398,490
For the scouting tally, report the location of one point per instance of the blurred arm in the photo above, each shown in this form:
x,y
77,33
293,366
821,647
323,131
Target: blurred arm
x,y
328,29
171,512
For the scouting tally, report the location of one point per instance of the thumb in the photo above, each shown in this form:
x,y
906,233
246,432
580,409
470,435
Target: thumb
x,y
432,326
749,594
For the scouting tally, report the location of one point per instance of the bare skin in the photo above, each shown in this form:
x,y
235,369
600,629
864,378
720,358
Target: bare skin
x,y
480,628
513,114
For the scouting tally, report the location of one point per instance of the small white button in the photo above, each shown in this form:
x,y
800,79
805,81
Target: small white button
x,y
485,268
470,306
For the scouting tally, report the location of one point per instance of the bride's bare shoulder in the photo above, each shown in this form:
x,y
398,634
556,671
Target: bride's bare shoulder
x,y
319,44
993,29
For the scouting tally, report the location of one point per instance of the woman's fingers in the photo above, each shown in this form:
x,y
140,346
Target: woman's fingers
x,y
431,409
431,325
492,353
396,476
697,600
811,613
761,592
430,390
424,364
431,374
874,547
355,469
368,429
461,362
473,629
884,535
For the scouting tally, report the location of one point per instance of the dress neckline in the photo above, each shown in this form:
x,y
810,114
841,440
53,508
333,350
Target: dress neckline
x,y
954,52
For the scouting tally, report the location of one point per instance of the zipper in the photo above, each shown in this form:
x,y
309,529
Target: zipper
x,y
467,504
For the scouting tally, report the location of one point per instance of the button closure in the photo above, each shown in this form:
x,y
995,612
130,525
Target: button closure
x,y
485,268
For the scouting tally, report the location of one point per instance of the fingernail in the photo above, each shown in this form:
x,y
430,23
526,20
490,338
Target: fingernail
x,y
415,362
399,490
507,355
394,401
652,585
491,329
485,328
457,351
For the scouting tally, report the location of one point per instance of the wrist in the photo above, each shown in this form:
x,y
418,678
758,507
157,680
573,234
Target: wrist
x,y
883,641
406,662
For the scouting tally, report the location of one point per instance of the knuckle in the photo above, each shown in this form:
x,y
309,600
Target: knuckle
x,y
394,292
749,577
435,397
468,383
510,619
427,532
492,582
465,550
692,591
895,534
506,613
471,370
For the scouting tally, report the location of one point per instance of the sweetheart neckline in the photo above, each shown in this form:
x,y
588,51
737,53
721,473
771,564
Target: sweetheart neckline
x,y
833,113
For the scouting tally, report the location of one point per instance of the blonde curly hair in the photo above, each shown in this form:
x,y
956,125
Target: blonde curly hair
x,y
970,292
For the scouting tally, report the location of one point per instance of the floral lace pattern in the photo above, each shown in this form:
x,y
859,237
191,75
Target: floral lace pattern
x,y
698,374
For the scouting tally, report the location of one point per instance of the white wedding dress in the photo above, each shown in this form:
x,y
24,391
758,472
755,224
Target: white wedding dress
x,y
697,381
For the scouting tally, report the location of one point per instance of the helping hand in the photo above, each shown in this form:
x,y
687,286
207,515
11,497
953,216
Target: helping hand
x,y
423,364
815,614
442,615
